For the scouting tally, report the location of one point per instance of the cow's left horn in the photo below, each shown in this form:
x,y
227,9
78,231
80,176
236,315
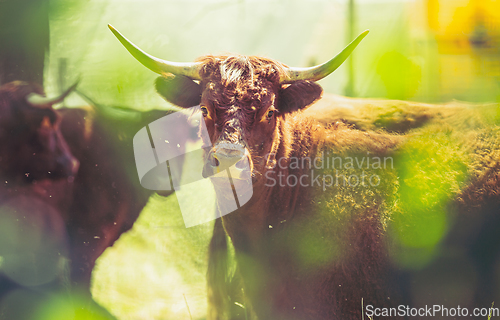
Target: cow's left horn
x,y
39,101
188,69
319,72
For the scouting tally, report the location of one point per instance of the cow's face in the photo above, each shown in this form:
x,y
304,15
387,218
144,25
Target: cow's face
x,y
244,106
32,146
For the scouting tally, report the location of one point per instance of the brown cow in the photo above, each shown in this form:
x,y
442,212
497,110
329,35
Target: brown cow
x,y
312,242
37,170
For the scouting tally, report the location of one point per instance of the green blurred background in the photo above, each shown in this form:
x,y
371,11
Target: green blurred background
x,y
422,50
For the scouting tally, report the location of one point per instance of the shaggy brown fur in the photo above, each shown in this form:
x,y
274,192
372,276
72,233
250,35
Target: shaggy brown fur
x,y
454,159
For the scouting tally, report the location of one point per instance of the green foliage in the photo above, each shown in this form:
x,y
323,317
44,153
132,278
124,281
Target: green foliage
x,y
400,75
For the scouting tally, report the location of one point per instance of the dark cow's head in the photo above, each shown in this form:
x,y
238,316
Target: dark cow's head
x,y
244,100
31,145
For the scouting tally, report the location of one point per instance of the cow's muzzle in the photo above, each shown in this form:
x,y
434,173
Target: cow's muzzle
x,y
228,156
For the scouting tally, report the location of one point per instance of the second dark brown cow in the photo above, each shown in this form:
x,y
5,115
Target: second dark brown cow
x,y
37,171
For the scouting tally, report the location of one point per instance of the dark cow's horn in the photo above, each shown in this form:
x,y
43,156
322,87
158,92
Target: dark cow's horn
x,y
188,69
319,72
39,101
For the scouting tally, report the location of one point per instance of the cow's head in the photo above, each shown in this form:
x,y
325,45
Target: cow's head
x,y
244,100
31,145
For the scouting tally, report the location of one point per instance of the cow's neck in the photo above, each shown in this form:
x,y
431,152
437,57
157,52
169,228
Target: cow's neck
x,y
272,206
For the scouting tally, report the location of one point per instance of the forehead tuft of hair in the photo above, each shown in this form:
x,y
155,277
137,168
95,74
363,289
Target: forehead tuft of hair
x,y
237,78
234,68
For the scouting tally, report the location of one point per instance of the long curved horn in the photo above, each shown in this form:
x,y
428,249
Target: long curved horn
x,y
188,69
39,101
320,71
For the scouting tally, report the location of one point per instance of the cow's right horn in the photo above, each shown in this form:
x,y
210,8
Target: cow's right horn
x,y
188,69
320,71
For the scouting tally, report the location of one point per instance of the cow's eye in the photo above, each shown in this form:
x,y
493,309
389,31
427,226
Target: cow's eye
x,y
270,114
204,110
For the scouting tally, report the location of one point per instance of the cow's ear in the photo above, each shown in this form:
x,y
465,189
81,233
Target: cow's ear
x,y
298,96
179,90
